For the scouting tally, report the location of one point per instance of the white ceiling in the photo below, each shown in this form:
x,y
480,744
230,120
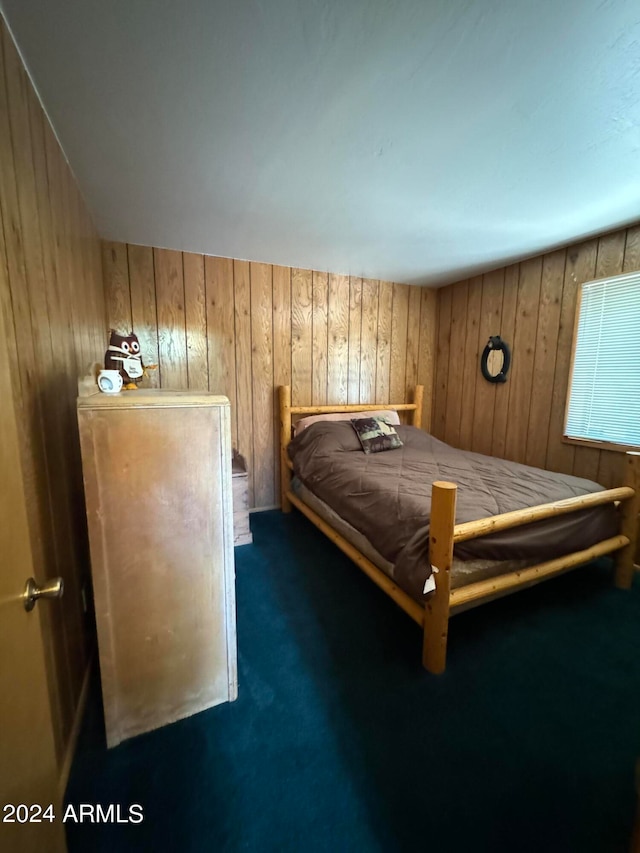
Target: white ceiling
x,y
400,139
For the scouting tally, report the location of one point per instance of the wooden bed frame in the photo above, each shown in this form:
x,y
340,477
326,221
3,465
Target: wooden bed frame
x,y
444,602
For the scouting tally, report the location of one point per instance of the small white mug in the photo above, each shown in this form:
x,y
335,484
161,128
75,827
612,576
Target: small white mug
x,y
110,381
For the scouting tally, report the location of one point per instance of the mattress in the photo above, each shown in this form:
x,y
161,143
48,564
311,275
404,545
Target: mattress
x,y
463,572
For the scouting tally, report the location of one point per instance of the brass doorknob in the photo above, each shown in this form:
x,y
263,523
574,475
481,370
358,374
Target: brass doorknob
x,y
32,592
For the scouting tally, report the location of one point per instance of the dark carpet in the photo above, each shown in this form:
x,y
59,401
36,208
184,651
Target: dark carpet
x,y
339,741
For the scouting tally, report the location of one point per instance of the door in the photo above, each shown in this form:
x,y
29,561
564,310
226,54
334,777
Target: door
x,y
28,769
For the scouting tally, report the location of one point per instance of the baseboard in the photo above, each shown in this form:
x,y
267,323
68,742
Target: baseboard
x,y
264,508
75,731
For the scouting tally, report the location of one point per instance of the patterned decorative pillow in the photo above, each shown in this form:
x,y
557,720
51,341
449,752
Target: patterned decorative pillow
x,y
376,434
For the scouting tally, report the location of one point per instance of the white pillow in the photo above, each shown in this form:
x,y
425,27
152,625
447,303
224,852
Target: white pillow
x,y
390,415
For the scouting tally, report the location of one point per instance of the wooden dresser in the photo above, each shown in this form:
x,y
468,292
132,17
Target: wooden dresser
x,y
157,477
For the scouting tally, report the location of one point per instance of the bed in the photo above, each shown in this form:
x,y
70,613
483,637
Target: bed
x,y
399,515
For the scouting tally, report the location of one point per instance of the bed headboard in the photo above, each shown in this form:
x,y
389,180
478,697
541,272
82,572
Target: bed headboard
x,y
287,411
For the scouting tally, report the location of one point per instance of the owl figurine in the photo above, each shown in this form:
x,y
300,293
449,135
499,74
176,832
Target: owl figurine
x,y
123,354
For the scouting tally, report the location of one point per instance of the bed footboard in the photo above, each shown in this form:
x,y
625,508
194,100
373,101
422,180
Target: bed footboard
x,y
629,526
444,533
436,609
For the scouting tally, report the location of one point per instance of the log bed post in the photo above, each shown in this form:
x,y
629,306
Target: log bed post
x,y
629,526
284,393
418,395
436,611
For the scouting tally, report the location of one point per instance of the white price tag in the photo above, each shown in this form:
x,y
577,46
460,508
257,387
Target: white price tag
x,y
430,583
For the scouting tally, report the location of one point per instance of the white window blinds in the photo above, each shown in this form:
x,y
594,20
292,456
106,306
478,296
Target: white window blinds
x,y
604,398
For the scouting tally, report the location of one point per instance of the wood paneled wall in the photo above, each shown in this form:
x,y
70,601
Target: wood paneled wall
x,y
52,297
532,305
243,329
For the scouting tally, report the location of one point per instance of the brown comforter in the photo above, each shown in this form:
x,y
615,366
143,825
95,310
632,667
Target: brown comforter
x,y
387,497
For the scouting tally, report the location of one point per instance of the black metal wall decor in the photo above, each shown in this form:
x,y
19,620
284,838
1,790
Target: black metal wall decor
x,y
496,344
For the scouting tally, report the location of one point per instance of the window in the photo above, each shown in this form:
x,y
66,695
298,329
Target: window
x,y
604,390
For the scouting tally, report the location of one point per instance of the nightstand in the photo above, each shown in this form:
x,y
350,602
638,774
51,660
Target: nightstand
x,y
240,487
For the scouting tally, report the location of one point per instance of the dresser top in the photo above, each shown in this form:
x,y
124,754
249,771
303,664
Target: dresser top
x,y
150,398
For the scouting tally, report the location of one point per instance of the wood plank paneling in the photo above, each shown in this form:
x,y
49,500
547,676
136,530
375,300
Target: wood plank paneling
x,y
245,328
242,294
611,253
281,349
368,340
507,329
281,326
59,289
116,286
399,342
172,339
471,364
427,353
382,335
632,250
413,341
301,336
442,363
545,357
485,396
455,373
320,338
524,347
262,383
532,305
221,333
60,316
52,298
355,338
144,318
195,302
338,329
